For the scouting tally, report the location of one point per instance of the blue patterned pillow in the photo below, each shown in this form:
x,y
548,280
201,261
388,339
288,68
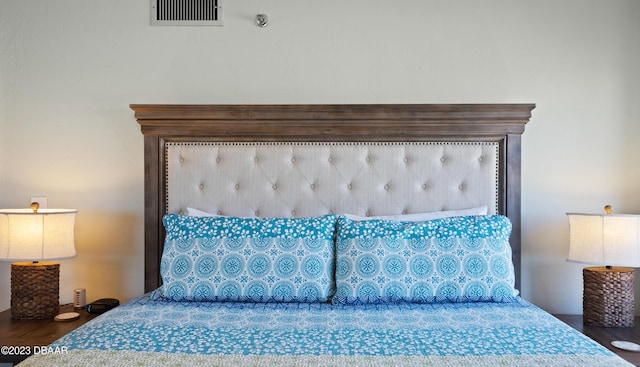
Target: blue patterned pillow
x,y
455,259
247,259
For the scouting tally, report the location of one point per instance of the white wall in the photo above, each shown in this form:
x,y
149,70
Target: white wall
x,y
70,68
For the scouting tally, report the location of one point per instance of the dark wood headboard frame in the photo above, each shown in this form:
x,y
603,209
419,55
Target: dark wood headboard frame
x,y
502,123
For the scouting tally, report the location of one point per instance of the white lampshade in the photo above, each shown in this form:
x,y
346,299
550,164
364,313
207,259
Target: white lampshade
x,y
47,234
604,239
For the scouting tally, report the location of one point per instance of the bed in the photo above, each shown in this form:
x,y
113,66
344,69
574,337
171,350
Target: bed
x,y
330,235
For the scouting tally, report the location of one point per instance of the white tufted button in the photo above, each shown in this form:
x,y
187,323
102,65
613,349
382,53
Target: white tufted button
x,y
480,159
219,212
386,187
424,186
275,187
293,213
255,159
404,212
201,186
237,187
330,159
257,213
218,160
368,159
368,213
181,160
313,186
349,187
406,160
181,212
461,187
293,160
442,159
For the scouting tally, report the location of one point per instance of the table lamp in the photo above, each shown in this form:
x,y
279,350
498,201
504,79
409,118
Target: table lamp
x,y
612,240
34,235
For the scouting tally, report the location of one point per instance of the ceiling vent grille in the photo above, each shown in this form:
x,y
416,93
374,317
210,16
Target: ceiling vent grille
x,y
186,12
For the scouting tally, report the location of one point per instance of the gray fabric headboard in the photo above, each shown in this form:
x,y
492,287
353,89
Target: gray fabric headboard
x,y
307,179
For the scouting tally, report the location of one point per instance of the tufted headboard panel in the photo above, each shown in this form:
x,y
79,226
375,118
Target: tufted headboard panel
x,y
302,160
307,179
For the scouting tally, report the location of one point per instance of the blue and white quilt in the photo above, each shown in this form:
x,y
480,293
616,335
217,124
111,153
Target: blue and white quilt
x,y
331,291
162,332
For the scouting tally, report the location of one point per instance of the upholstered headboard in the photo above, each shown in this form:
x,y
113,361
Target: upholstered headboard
x,y
304,160
292,179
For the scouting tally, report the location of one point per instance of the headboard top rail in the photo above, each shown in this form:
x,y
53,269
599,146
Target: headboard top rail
x,y
392,122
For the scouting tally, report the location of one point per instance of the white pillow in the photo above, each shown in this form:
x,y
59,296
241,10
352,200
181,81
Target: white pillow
x,y
199,213
416,217
422,217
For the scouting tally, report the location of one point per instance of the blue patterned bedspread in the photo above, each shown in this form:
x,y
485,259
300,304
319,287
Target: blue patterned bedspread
x,y
149,332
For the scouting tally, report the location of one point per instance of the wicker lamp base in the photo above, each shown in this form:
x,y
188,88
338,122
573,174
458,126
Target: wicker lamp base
x,y
608,298
35,290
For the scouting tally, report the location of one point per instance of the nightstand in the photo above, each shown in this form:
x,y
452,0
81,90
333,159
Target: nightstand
x,y
34,333
605,335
